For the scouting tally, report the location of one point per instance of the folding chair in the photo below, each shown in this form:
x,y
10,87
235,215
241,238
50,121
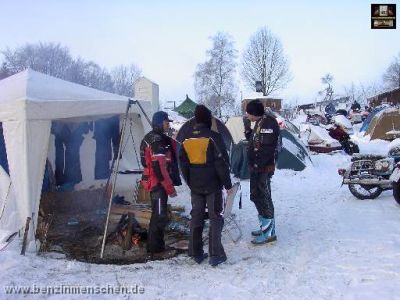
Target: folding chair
x,y
230,225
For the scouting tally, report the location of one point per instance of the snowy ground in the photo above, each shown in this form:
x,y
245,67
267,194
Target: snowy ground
x,y
330,246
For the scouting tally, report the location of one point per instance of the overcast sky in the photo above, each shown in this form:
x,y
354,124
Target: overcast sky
x,y
168,38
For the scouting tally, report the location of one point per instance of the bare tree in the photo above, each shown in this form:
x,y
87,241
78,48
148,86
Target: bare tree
x,y
328,91
47,58
124,78
362,92
55,60
4,71
392,74
264,60
215,83
96,77
354,93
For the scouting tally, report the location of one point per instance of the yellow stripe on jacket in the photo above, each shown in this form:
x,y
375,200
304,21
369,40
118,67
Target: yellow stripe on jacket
x,y
196,150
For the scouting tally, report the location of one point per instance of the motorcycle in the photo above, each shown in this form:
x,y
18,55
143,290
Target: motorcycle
x,y
369,175
341,131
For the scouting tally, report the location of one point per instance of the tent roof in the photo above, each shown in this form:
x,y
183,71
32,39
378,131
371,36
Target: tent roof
x,y
384,121
186,108
33,95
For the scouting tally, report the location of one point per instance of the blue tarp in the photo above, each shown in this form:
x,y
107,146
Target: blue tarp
x,y
68,140
106,134
369,118
3,152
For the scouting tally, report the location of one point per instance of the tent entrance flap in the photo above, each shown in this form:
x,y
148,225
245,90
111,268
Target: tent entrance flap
x,y
27,144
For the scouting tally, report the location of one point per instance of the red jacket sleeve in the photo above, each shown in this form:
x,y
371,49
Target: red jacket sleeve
x,y
165,179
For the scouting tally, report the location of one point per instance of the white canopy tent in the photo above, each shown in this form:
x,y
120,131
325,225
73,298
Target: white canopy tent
x,y
29,102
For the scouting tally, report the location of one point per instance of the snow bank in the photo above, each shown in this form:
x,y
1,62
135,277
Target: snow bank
x,y
330,246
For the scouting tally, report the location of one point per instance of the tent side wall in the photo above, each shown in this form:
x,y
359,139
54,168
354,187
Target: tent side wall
x,y
382,123
27,145
29,101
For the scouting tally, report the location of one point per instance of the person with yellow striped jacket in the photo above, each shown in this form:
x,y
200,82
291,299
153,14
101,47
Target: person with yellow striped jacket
x,y
204,164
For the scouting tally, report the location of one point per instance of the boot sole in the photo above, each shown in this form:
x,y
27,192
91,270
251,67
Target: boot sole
x,y
219,263
268,241
255,234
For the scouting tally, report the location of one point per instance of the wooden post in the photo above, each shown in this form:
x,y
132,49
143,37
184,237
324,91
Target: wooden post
x,y
128,237
24,241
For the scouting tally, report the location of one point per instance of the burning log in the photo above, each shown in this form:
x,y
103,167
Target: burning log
x,y
128,235
141,213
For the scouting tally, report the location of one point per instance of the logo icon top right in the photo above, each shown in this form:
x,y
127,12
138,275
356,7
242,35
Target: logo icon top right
x,y
383,16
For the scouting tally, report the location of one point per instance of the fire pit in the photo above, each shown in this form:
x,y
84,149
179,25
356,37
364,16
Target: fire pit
x,y
73,223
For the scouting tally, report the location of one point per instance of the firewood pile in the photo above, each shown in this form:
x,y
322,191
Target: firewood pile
x,y
73,223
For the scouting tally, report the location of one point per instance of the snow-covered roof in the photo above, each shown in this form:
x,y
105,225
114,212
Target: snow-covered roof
x,y
177,119
33,95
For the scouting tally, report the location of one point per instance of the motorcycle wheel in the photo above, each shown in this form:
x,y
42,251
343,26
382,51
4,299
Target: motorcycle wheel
x,y
350,148
396,191
364,192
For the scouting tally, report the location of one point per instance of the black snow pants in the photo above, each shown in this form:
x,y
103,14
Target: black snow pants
x,y
260,193
158,221
215,204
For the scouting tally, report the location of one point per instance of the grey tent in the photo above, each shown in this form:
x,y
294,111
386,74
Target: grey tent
x,y
239,161
293,156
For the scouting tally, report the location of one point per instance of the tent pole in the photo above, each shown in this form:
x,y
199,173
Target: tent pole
x,y
141,108
25,239
114,175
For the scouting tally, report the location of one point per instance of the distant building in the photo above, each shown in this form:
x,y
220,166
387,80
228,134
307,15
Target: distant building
x,y
186,108
321,104
147,90
273,103
391,97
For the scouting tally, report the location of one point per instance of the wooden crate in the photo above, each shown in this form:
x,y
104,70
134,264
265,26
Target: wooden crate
x,y
143,196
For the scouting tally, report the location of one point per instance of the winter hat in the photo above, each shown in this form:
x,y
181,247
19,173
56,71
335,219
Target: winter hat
x,y
159,118
203,115
255,108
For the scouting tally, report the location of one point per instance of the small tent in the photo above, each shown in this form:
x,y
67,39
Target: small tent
x,y
370,116
186,108
385,125
294,154
29,102
239,160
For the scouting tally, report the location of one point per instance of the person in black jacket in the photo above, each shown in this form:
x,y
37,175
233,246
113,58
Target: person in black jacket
x,y
160,175
204,164
262,154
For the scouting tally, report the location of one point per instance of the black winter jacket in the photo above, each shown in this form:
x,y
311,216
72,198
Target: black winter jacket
x,y
263,144
204,161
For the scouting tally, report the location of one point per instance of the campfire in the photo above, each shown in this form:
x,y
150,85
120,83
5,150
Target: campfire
x,y
73,223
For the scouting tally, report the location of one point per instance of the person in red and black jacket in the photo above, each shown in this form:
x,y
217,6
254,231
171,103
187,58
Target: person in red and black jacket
x,y
264,143
204,163
160,175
